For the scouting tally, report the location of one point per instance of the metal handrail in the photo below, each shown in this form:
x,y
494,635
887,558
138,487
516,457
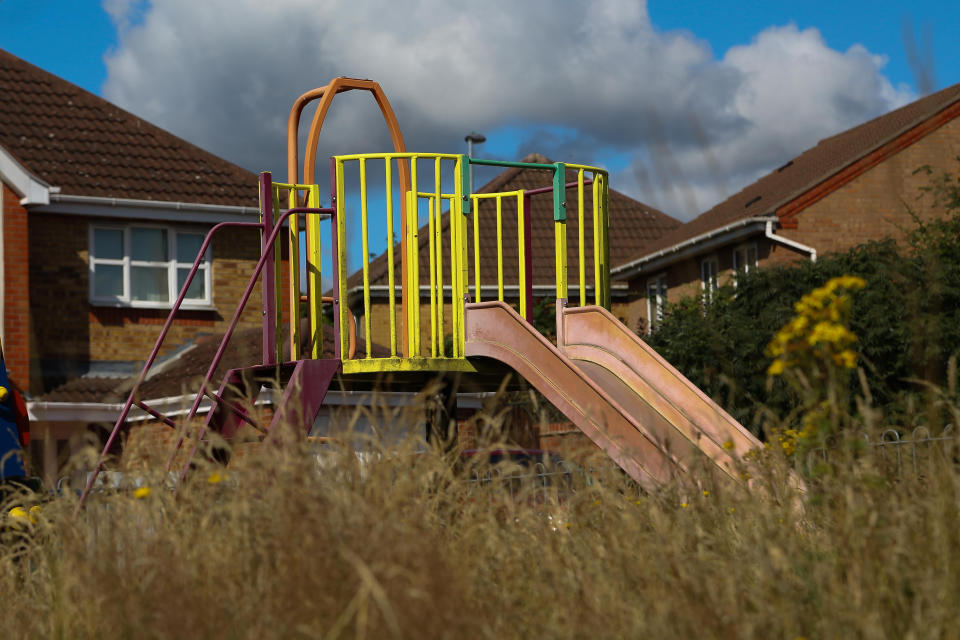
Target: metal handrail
x,y
131,398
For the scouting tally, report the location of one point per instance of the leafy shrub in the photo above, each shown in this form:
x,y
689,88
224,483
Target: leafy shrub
x,y
906,319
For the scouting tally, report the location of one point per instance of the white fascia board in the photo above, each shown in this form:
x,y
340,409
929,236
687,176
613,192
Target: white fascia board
x,y
175,406
32,189
131,209
693,246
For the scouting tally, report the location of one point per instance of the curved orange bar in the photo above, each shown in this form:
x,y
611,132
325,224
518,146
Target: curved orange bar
x,y
326,95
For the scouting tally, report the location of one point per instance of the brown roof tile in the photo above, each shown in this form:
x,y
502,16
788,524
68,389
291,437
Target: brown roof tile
x,y
632,225
87,146
183,373
807,170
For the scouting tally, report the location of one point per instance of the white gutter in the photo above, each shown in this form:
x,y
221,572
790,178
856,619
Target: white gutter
x,y
146,209
790,243
691,246
33,189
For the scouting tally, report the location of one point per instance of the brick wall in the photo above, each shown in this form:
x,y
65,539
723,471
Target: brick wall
x,y
17,293
874,205
69,328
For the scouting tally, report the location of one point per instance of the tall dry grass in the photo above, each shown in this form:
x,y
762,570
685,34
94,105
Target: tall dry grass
x,y
401,545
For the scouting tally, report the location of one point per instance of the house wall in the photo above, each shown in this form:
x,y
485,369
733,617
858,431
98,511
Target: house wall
x,y
16,291
683,277
71,333
876,204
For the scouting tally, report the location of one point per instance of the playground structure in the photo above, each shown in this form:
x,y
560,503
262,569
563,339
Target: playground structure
x,y
642,412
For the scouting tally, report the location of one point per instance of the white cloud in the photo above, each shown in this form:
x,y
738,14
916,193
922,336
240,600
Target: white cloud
x,y
223,73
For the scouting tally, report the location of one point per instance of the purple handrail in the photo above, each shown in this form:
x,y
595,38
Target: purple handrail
x,y
169,322
156,348
229,333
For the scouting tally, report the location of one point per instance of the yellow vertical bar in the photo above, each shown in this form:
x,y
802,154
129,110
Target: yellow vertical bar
x,y
278,280
560,239
499,248
293,227
458,256
438,246
597,213
605,236
391,276
413,275
522,255
476,248
341,275
581,253
433,279
314,282
438,228
366,257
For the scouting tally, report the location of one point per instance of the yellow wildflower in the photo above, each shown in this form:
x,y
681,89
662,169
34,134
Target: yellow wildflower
x,y
775,368
19,514
215,477
141,492
846,359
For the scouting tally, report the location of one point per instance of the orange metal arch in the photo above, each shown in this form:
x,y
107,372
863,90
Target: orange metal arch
x,y
326,95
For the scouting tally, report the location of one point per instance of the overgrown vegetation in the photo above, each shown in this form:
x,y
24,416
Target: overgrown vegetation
x,y
399,543
906,320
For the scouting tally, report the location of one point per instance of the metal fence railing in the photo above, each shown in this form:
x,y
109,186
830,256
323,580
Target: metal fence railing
x,y
899,452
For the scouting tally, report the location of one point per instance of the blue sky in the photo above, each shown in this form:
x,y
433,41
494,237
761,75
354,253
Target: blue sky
x,y
684,102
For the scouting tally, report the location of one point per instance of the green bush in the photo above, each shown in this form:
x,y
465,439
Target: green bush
x,y
907,320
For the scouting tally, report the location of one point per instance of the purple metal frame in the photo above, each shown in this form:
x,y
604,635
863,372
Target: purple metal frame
x,y
528,240
268,244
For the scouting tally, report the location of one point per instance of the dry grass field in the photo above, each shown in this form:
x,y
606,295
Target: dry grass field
x,y
401,544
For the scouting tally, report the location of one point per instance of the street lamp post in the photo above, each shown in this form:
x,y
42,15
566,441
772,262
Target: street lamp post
x,y
471,138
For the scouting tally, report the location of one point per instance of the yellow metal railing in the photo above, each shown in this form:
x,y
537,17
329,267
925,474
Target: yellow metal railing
x,y
296,195
446,169
521,244
599,214
434,196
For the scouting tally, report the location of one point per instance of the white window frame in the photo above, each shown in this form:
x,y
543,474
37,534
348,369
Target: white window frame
x,y
172,265
656,303
744,263
709,278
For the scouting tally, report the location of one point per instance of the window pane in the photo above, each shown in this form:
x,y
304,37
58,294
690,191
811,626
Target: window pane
x,y
108,243
108,280
149,284
197,289
148,244
188,246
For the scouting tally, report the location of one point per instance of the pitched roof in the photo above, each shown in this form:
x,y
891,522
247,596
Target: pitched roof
x,y
809,169
632,225
87,146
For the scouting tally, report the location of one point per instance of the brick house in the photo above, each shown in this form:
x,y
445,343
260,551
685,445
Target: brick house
x,y
633,225
102,217
858,185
